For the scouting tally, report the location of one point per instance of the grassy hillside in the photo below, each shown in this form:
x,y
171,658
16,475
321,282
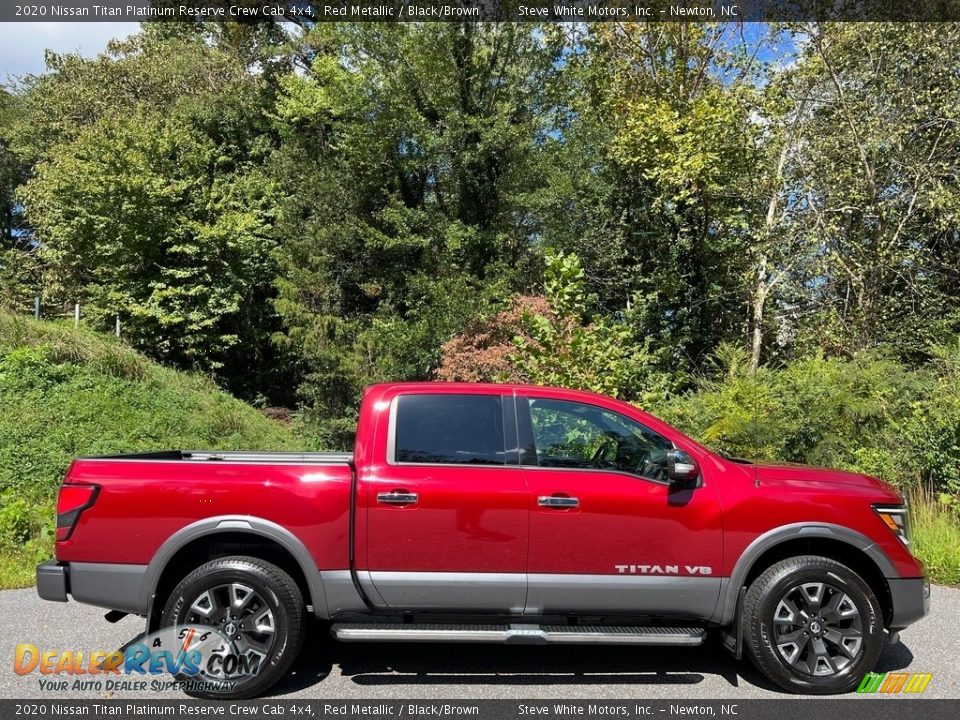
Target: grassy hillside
x,y
67,392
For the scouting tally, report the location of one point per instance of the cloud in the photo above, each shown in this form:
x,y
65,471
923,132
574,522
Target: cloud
x,y
22,45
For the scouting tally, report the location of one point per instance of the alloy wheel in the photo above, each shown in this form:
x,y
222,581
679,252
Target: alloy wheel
x,y
241,615
817,629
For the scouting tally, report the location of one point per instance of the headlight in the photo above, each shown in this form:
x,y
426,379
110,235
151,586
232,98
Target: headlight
x,y
897,518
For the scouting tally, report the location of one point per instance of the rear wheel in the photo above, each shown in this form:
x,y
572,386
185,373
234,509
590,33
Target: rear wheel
x,y
812,625
257,612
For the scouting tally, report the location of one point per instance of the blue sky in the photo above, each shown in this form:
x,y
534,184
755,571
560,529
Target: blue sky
x,y
22,45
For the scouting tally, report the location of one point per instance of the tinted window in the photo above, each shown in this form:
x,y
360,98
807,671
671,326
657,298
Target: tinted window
x,y
576,435
456,429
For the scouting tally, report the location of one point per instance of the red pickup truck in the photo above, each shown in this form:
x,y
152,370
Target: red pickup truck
x,y
497,513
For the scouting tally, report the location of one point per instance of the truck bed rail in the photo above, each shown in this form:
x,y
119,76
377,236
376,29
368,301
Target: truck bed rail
x,y
238,456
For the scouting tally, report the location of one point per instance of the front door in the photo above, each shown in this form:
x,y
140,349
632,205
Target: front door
x,y
608,533
447,521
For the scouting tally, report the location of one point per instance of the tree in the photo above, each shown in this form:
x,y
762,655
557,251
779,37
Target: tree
x,y
150,197
575,346
879,173
779,245
18,261
408,152
653,187
487,348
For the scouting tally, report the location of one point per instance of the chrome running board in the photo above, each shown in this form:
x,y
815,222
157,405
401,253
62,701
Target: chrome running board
x,y
517,634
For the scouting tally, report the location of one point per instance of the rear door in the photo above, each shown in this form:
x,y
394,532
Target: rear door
x,y
608,532
447,521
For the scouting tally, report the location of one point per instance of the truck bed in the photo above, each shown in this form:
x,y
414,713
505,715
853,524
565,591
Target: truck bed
x,y
146,498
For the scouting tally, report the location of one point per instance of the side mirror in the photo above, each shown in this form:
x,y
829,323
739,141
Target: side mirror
x,y
682,468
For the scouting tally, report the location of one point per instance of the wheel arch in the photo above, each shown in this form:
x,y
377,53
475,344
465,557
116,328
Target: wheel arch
x,y
191,546
853,549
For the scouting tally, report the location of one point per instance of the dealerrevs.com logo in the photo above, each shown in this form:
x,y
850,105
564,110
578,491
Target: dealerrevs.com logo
x,y
199,658
895,682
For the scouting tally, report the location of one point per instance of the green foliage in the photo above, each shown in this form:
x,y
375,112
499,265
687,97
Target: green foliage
x,y
651,180
408,150
574,348
19,268
176,256
70,392
880,172
870,414
150,199
936,537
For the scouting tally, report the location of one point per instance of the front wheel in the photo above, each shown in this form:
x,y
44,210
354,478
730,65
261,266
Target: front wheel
x,y
250,615
812,625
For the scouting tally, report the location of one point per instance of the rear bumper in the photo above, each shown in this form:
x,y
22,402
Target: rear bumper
x,y
910,600
53,581
107,585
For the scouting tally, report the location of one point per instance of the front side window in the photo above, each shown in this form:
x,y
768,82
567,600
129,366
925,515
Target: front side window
x,y
576,435
449,429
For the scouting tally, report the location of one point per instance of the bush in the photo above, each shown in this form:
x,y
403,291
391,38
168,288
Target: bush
x,y
574,346
67,392
870,414
484,351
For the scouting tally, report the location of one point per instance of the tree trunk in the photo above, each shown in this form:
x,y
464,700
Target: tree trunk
x,y
765,282
759,302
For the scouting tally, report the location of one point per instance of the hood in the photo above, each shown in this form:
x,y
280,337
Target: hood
x,y
796,474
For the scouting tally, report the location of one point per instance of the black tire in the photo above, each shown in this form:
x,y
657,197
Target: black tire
x,y
275,592
806,645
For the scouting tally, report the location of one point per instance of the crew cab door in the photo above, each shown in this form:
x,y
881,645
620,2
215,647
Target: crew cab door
x,y
446,508
608,532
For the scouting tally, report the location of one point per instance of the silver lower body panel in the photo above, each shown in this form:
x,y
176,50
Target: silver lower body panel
x,y
524,594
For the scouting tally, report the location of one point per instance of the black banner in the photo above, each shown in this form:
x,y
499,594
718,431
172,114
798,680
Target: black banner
x,y
305,12
874,708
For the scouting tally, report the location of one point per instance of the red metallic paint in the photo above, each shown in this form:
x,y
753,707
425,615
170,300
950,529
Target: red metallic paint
x,y
476,519
143,502
622,518
468,518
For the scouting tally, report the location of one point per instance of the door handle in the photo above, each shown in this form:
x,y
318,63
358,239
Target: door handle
x,y
397,497
560,502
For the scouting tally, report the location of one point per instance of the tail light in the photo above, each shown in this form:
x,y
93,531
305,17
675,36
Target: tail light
x,y
72,500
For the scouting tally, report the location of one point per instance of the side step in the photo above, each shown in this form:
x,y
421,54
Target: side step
x,y
518,634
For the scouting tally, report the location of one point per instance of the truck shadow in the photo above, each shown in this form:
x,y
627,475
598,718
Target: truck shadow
x,y
396,665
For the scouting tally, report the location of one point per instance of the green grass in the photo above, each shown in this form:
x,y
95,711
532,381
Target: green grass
x,y
16,569
67,392
936,538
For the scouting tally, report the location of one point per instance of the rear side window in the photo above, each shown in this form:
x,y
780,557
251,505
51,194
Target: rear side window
x,y
449,429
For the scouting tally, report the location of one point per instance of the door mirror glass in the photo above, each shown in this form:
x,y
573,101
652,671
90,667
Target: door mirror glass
x,y
682,468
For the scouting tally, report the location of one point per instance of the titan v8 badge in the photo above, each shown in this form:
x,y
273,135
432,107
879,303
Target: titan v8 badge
x,y
663,569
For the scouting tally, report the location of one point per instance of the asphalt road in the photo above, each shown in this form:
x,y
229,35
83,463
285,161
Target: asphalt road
x,y
327,669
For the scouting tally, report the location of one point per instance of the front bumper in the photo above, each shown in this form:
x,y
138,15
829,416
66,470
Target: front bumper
x,y
53,581
910,601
